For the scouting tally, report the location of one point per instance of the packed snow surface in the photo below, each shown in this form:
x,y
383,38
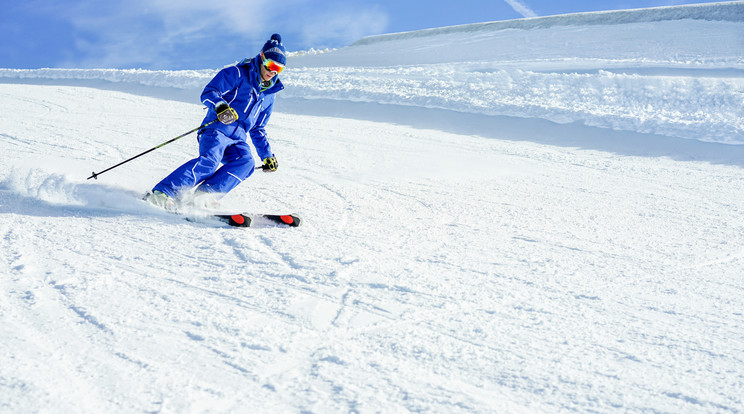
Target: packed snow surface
x,y
537,216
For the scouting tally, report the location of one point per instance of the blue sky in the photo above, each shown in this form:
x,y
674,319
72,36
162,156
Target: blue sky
x,y
198,34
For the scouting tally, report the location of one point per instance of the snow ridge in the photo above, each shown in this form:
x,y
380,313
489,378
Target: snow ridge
x,y
706,109
732,11
182,79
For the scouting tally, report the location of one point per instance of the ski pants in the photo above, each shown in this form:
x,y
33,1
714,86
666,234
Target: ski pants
x,y
214,148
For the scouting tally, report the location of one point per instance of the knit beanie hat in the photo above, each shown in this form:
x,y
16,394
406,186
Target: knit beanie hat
x,y
274,49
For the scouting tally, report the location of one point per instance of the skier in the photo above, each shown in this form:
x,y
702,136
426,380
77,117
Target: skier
x,y
241,97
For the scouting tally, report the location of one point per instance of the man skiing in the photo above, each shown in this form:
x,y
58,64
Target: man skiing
x,y
241,99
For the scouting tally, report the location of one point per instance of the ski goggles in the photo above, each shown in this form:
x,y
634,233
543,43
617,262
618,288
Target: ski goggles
x,y
271,65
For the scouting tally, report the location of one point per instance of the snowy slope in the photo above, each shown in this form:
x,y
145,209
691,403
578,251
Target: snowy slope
x,y
553,226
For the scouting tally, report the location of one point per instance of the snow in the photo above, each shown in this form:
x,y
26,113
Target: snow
x,y
552,224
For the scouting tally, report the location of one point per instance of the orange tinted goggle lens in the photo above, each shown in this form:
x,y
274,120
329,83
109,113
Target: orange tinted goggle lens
x,y
271,66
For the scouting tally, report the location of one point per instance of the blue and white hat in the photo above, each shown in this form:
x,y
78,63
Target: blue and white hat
x,y
274,49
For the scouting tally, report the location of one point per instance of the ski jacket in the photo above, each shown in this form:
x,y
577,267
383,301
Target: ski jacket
x,y
239,86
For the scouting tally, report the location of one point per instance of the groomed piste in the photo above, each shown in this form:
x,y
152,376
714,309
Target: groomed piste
x,y
552,226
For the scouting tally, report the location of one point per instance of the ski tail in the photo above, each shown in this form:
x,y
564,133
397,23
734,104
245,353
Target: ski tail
x,y
236,220
291,220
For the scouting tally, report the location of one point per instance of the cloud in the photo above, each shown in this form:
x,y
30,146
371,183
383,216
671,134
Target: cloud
x,y
153,33
521,8
191,34
189,17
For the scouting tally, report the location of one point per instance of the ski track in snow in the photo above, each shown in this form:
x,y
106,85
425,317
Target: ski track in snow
x,y
505,265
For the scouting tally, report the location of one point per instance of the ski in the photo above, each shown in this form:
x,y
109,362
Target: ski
x,y
234,220
263,220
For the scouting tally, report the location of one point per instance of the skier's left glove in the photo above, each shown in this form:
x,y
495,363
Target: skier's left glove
x,y
270,164
225,113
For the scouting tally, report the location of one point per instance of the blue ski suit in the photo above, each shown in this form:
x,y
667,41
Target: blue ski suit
x,y
239,86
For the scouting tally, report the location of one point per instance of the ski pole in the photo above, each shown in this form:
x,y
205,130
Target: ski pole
x,y
95,175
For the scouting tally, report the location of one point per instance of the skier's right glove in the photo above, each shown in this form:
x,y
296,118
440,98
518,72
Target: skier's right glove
x,y
225,113
270,164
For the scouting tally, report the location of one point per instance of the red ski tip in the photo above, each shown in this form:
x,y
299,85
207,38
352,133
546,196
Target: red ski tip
x,y
238,219
287,219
